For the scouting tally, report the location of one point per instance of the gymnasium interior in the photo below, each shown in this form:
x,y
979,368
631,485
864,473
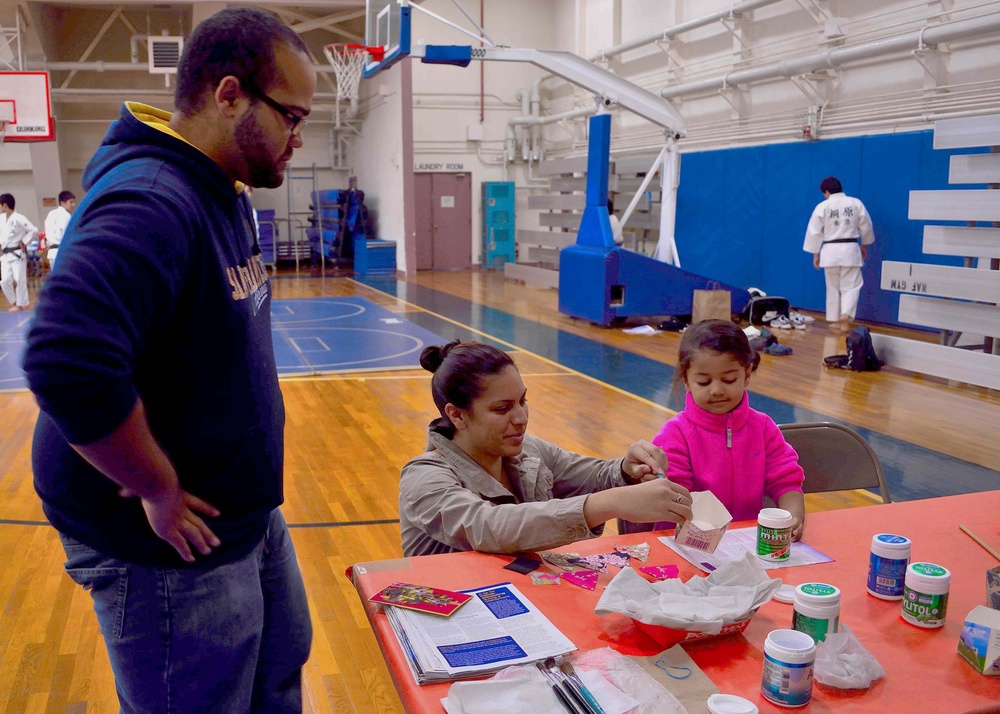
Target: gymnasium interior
x,y
432,202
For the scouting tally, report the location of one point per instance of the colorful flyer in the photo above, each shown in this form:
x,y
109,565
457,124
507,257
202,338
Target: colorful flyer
x,y
421,598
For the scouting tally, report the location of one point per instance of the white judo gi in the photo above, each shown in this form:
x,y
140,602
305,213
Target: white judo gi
x,y
833,232
16,232
55,227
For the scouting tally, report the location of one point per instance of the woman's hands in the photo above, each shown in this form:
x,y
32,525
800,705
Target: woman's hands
x,y
656,499
644,462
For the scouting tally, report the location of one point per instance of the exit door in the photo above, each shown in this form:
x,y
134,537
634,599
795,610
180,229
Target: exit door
x,y
443,203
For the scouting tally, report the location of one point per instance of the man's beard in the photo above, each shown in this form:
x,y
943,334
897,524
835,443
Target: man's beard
x,y
251,141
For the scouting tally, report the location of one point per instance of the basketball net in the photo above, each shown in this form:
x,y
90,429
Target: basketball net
x,y
348,62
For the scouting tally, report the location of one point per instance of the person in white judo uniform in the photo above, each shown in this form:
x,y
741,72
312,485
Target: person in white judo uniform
x,y
838,236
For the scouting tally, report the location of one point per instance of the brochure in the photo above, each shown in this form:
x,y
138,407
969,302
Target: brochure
x,y
497,628
421,598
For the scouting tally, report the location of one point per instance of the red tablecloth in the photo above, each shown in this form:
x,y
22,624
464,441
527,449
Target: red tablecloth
x,y
923,670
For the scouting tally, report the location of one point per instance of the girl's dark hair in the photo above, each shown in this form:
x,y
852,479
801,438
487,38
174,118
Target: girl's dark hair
x,y
720,336
459,368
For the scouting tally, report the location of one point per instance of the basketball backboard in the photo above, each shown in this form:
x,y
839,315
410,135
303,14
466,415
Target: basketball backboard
x,y
387,26
25,100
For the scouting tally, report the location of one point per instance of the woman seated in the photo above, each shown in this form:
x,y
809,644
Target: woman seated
x,y
484,484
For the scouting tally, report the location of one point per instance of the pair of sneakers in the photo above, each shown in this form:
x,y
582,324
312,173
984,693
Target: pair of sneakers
x,y
795,320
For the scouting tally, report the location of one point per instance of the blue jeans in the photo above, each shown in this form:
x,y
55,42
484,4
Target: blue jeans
x,y
227,640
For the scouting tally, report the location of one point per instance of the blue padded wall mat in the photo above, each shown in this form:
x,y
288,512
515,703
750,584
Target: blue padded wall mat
x,y
742,212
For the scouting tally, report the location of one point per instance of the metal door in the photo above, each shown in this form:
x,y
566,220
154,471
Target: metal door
x,y
424,220
443,220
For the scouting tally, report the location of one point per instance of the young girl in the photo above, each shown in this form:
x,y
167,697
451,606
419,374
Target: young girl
x,y
485,484
718,443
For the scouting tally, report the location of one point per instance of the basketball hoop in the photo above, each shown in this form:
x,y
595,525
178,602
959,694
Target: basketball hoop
x,y
3,131
348,63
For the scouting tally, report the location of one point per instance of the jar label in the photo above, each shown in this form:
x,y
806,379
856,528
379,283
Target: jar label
x,y
889,538
788,685
773,543
816,627
929,569
818,589
924,609
886,576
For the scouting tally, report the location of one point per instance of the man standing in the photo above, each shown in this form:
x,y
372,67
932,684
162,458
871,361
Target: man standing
x,y
56,222
15,235
833,238
158,452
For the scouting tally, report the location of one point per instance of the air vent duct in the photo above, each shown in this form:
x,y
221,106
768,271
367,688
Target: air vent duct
x,y
165,54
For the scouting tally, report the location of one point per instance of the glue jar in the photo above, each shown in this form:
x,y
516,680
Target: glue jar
x,y
925,595
788,668
774,534
887,565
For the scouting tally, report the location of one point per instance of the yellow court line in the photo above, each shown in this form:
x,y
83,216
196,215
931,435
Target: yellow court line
x,y
521,349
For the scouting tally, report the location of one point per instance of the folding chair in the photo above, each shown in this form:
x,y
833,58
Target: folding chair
x,y
835,458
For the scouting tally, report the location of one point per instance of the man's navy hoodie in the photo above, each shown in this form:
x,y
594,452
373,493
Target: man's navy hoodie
x,y
160,293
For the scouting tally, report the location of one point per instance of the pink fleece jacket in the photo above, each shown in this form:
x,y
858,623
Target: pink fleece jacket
x,y
740,457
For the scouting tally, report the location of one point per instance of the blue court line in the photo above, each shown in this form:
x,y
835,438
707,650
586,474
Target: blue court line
x,y
912,471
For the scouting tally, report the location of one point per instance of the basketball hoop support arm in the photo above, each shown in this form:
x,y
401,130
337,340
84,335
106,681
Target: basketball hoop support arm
x,y
609,90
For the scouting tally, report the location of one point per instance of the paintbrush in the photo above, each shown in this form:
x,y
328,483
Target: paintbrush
x,y
980,541
579,701
568,670
561,695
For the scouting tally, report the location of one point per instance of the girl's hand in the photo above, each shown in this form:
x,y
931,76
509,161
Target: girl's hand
x,y
798,526
794,503
644,462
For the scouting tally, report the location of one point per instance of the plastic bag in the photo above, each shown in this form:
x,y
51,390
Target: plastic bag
x,y
844,663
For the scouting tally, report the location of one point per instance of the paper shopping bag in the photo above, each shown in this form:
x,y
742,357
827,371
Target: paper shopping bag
x,y
710,305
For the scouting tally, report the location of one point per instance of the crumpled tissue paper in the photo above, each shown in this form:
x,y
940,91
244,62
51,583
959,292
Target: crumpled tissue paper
x,y
729,594
844,663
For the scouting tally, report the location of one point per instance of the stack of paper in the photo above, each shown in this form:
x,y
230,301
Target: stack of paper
x,y
497,628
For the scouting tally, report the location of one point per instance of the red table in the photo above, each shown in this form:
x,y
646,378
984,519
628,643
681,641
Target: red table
x,y
924,673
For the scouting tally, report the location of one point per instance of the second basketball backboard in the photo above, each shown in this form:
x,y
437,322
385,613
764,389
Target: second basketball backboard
x,y
25,104
387,26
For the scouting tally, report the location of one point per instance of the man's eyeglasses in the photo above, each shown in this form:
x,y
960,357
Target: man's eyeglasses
x,y
297,122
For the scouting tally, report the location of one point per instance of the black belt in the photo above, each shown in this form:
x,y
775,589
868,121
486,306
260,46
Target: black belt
x,y
841,240
8,251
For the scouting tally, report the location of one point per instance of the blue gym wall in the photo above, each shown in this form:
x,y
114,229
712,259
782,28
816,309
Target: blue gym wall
x,y
742,213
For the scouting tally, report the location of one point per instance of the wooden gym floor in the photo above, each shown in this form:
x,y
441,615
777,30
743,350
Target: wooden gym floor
x,y
591,389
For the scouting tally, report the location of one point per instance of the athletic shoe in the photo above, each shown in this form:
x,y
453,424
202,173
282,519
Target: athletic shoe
x,y
805,318
768,316
779,350
781,322
798,322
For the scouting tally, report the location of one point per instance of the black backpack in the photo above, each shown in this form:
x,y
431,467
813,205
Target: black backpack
x,y
861,356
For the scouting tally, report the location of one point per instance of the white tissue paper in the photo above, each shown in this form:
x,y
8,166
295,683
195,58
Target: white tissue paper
x,y
729,594
524,690
843,662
